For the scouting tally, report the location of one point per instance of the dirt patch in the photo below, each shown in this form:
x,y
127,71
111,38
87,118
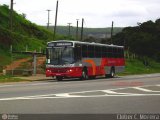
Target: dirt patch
x,y
16,64
27,63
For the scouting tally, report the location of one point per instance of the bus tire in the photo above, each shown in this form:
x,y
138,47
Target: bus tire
x,y
112,72
59,78
84,74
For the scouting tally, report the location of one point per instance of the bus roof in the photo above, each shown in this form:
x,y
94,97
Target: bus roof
x,y
86,43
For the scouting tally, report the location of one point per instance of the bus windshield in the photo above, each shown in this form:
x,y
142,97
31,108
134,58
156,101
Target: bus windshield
x,y
60,55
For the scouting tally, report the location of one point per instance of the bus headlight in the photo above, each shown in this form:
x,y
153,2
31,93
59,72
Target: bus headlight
x,y
49,71
70,70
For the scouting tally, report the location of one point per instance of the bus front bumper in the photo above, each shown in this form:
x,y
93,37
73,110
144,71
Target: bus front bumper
x,y
64,72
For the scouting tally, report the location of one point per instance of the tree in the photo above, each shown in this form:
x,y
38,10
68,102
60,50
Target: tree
x,y
143,40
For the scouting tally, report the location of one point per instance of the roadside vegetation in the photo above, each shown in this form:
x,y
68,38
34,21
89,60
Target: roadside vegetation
x,y
6,79
142,42
136,66
24,34
142,45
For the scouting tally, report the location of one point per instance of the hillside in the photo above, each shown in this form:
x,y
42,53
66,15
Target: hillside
x,y
24,34
96,32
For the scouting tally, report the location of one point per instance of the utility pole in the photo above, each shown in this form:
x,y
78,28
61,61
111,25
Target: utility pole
x,y
82,30
55,26
11,15
11,50
48,19
69,29
77,30
112,33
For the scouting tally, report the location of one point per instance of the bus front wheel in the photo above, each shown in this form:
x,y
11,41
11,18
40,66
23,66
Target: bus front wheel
x,y
84,74
59,78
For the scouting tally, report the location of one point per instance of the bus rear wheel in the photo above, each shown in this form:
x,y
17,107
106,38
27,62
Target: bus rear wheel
x,y
112,73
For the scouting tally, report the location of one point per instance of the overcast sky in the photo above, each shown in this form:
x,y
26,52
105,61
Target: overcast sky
x,y
97,13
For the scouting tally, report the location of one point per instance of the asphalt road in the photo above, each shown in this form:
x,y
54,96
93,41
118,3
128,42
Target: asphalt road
x,y
129,94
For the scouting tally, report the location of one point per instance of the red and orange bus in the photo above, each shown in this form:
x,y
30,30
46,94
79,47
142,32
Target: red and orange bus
x,y
74,59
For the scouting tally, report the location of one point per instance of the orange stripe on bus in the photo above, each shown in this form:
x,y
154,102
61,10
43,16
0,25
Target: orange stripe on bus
x,y
93,65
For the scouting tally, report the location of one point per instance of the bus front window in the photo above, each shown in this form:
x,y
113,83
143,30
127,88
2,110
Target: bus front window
x,y
60,56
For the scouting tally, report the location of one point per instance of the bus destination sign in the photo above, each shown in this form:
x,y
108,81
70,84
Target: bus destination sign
x,y
60,44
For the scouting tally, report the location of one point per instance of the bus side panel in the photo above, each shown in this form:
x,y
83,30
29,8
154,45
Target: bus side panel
x,y
93,66
98,71
103,66
117,63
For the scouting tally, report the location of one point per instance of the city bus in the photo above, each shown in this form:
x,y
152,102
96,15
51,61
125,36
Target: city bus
x,y
84,60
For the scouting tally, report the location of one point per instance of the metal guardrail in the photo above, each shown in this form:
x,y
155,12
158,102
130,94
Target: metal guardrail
x,y
23,72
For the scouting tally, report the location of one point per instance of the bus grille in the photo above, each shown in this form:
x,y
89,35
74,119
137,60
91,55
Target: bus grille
x,y
59,70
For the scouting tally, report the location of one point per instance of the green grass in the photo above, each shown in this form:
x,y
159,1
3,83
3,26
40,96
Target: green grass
x,y
24,33
136,66
5,79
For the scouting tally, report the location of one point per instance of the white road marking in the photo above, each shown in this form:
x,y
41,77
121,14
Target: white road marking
x,y
67,95
144,89
113,92
73,96
133,87
109,93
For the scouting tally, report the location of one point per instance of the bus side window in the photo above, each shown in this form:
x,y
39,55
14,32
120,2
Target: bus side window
x,y
91,51
84,51
110,52
122,52
104,51
78,52
98,52
115,52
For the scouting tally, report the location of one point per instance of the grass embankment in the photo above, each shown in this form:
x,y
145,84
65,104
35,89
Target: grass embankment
x,y
134,66
6,79
24,34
